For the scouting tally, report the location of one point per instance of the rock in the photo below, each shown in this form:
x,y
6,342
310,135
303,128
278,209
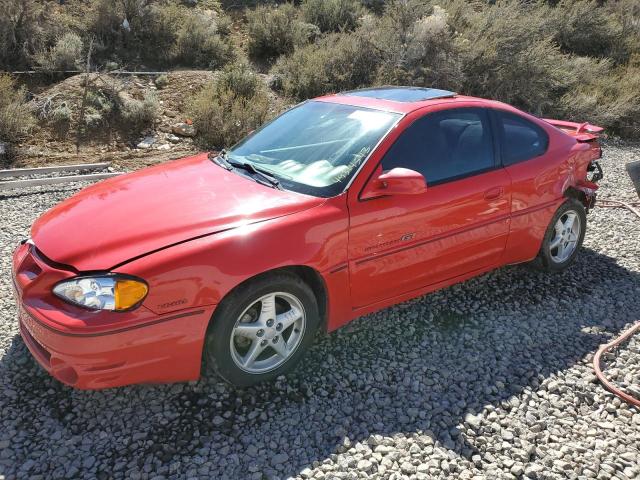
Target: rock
x,y
147,142
184,130
279,458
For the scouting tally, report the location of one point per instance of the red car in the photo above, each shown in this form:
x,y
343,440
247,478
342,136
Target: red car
x,y
341,206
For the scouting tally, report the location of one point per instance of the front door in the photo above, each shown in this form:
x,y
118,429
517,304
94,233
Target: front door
x,y
459,225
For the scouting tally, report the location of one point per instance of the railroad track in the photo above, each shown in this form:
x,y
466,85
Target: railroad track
x,y
32,177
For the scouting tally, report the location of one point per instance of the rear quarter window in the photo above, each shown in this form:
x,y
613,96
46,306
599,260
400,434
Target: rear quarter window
x,y
521,139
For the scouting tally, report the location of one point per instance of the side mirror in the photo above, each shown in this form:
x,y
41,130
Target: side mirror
x,y
398,181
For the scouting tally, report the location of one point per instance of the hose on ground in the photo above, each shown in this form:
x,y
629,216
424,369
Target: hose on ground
x,y
608,384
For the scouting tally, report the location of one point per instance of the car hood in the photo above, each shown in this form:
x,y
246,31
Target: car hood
x,y
128,216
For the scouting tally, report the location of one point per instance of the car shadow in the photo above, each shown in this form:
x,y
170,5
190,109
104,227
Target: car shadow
x,y
417,369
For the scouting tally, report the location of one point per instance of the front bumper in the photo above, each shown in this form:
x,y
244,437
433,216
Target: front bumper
x,y
94,350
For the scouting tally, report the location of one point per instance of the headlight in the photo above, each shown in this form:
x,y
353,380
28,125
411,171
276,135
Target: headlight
x,y
103,292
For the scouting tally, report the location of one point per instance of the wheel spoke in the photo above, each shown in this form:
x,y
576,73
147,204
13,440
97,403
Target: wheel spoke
x,y
281,347
248,330
556,242
268,311
568,223
254,351
288,318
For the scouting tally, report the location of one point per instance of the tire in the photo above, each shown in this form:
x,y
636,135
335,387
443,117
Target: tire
x,y
556,257
244,324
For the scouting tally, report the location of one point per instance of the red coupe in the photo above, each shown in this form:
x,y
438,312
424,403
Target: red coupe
x,y
341,206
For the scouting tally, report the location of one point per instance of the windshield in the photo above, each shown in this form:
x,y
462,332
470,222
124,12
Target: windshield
x,y
316,147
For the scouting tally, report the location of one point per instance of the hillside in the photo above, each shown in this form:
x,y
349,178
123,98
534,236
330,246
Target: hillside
x,y
233,65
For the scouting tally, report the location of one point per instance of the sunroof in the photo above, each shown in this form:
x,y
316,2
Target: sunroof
x,y
401,94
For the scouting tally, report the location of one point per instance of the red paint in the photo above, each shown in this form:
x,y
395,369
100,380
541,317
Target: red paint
x,y
194,231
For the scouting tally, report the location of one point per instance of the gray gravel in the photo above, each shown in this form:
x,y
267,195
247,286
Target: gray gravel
x,y
489,379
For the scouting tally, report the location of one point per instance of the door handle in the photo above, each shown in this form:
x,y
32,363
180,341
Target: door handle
x,y
493,193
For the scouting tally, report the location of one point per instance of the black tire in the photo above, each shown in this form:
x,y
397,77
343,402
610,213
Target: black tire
x,y
218,355
546,259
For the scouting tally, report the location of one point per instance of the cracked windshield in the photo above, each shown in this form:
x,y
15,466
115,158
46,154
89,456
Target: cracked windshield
x,y
315,147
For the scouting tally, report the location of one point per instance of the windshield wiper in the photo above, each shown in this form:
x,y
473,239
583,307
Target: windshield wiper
x,y
220,159
251,168
225,162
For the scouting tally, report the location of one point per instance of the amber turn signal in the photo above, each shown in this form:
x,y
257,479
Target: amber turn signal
x,y
129,293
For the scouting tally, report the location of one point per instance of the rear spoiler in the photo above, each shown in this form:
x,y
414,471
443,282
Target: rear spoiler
x,y
582,132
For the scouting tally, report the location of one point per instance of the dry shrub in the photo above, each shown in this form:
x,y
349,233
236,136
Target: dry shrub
x,y
336,62
583,27
140,113
611,101
16,119
419,51
25,28
224,111
66,54
276,30
199,44
160,33
332,15
507,53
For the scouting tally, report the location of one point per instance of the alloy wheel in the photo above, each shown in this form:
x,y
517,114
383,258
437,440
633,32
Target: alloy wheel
x,y
268,332
565,238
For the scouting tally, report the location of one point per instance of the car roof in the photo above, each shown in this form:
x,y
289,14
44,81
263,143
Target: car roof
x,y
396,99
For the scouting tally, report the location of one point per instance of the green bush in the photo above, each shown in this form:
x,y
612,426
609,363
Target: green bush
x,y
16,119
332,15
276,30
66,54
335,63
223,112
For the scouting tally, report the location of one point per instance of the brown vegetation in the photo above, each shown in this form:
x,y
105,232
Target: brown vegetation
x,y
575,59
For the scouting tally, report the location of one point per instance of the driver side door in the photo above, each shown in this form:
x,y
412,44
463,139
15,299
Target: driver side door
x,y
403,243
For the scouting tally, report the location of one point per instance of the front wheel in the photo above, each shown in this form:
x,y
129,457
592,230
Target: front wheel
x,y
261,329
563,237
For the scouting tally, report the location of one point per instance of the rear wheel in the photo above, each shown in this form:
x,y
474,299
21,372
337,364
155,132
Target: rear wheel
x,y
563,237
261,329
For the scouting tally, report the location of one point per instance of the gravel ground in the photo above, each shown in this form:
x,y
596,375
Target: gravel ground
x,y
489,379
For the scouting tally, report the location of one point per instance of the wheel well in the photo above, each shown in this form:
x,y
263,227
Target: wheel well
x,y
308,275
572,192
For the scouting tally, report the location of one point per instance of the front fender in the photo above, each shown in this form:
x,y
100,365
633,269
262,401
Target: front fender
x,y
203,271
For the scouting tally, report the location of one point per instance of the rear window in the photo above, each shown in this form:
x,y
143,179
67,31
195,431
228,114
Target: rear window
x,y
521,139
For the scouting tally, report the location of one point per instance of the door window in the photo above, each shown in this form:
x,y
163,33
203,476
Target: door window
x,y
444,146
521,139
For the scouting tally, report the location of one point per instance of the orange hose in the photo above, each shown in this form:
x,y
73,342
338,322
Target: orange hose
x,y
604,348
604,380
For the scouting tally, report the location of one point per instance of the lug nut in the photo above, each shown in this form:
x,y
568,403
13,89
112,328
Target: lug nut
x,y
270,323
263,343
275,339
279,327
260,333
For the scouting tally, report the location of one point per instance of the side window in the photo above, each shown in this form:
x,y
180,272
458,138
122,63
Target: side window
x,y
444,146
521,139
